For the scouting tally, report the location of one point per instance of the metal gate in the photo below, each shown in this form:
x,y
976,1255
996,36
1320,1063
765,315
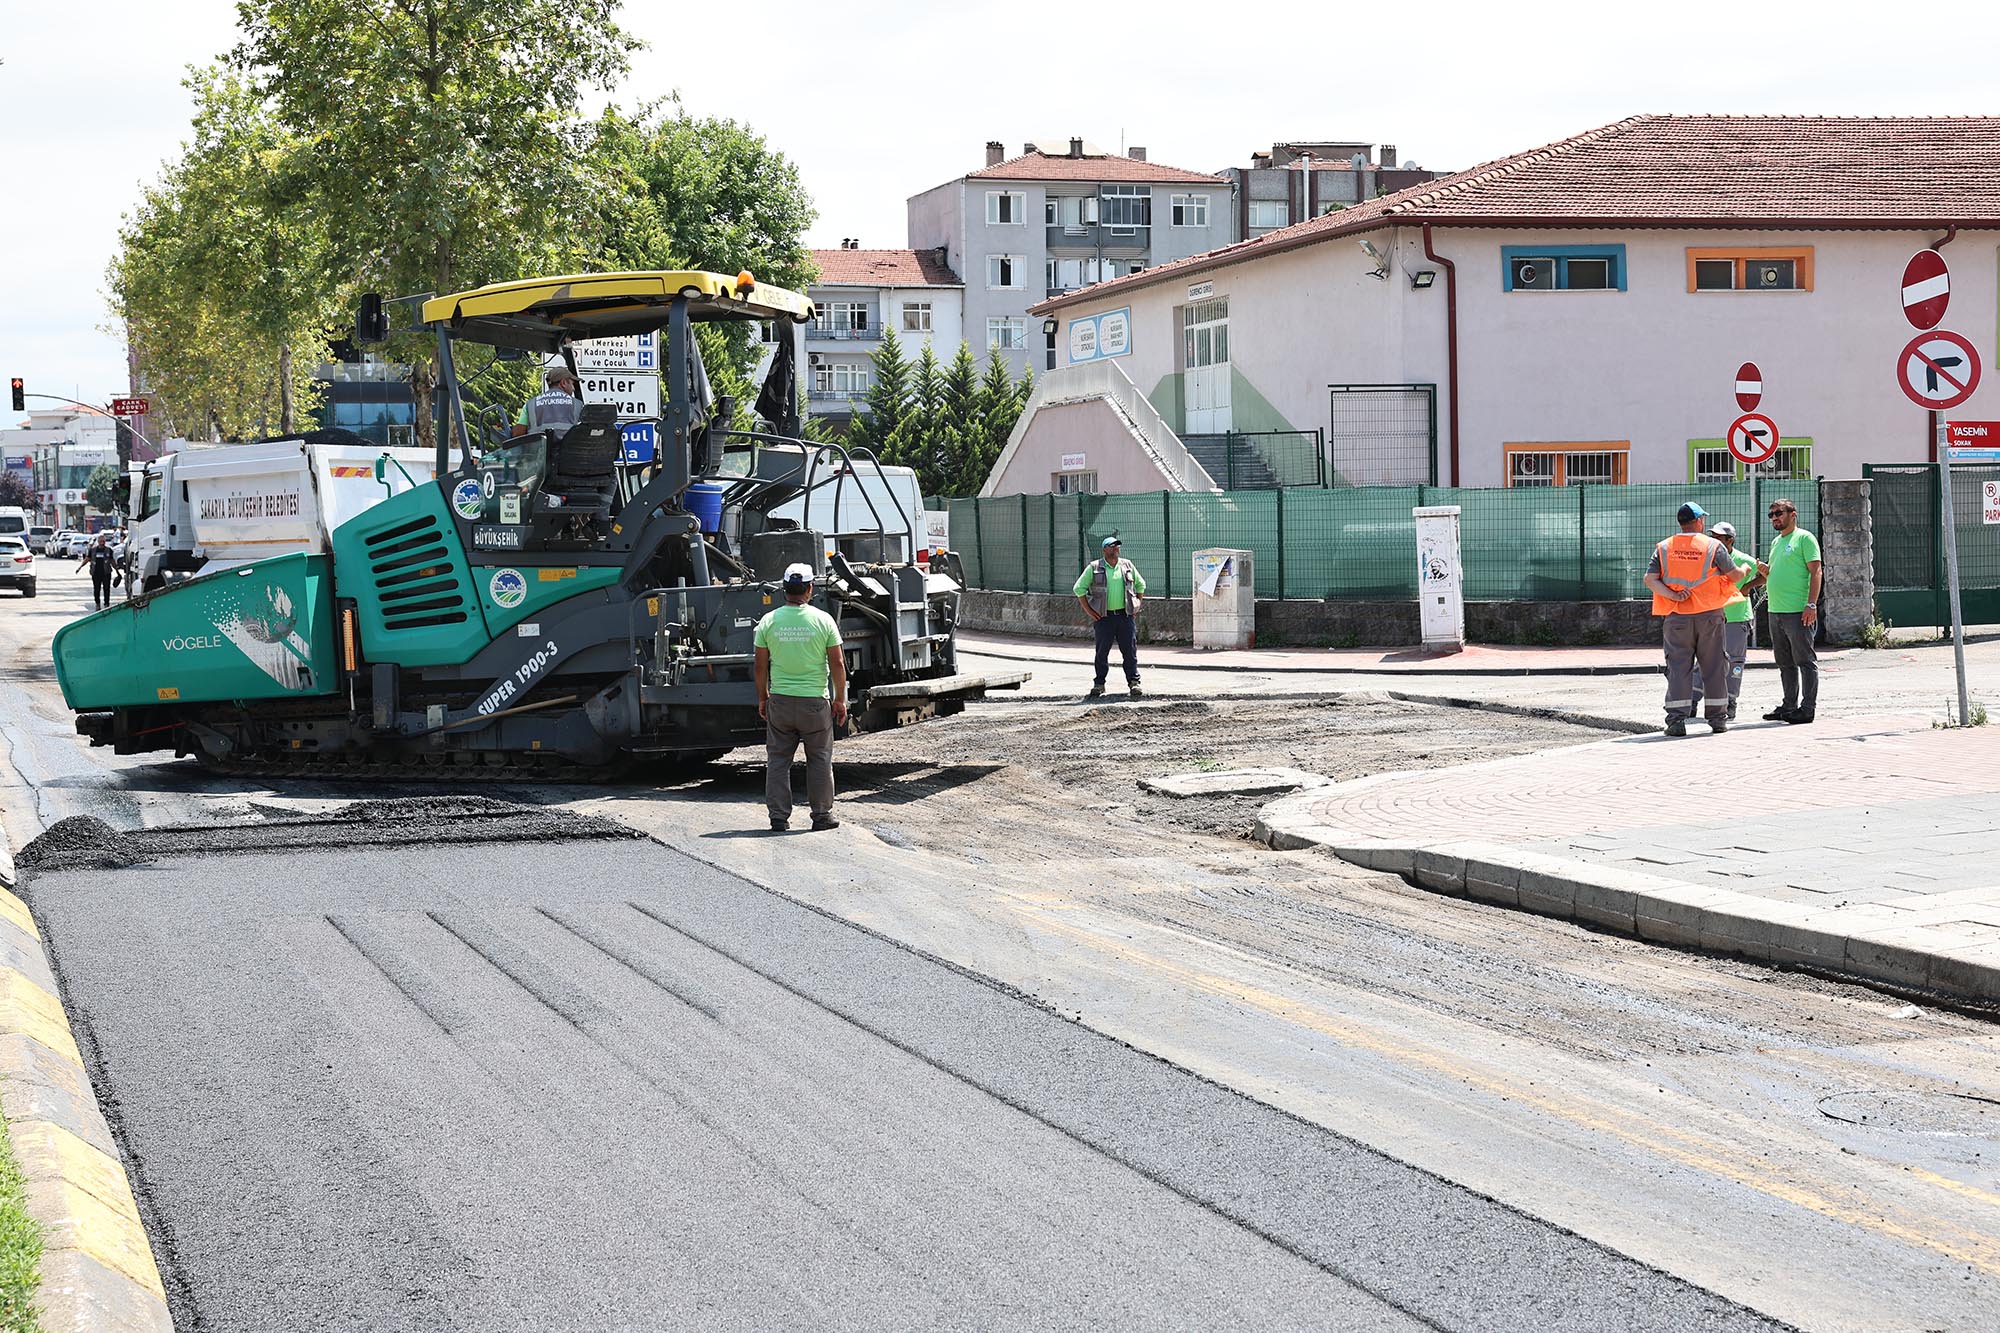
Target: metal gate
x,y
1909,544
1383,434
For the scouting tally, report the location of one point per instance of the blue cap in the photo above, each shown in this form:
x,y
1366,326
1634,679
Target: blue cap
x,y
1691,511
1111,541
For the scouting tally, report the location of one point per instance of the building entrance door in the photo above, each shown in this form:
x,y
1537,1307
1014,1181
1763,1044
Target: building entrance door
x,y
1205,367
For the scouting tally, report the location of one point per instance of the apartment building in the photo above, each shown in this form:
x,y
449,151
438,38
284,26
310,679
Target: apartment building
x,y
1057,218
1296,181
859,294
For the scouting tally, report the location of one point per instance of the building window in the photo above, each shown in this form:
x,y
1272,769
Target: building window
x,y
767,332
1190,210
1562,268
1006,272
1773,269
917,317
1007,334
1710,460
1270,213
1073,483
1568,464
1066,275
1051,212
840,380
1006,208
1128,206
842,319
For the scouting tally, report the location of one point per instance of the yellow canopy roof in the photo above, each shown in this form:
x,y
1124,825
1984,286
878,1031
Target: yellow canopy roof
x,y
544,313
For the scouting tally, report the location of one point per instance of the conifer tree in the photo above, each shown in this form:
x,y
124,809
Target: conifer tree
x,y
888,388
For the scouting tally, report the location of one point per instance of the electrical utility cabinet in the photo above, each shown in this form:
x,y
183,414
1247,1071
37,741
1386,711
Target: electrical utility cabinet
x,y
1225,600
1440,578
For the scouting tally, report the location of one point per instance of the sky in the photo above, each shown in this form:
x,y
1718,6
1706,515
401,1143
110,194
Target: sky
x,y
879,101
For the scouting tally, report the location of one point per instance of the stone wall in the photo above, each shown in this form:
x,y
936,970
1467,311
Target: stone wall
x,y
1847,555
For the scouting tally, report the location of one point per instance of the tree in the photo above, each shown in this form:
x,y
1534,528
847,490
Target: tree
x,y
16,493
443,147
220,279
888,386
100,489
914,442
999,405
959,427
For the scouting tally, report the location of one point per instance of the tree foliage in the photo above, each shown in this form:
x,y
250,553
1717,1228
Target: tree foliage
x,y
947,422
100,488
221,278
16,493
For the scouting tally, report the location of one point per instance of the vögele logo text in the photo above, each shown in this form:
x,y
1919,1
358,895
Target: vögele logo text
x,y
191,642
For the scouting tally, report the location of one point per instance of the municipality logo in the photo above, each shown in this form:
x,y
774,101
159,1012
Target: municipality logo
x,y
507,588
468,500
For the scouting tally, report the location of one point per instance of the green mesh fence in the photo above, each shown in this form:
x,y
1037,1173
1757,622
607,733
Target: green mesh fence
x,y
1577,543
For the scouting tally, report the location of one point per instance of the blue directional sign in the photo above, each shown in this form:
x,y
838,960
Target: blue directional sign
x,y
640,442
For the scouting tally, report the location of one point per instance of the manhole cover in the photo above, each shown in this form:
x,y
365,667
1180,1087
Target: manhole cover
x,y
1954,1113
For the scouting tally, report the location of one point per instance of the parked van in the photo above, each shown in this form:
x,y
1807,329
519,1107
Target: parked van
x,y
863,500
15,521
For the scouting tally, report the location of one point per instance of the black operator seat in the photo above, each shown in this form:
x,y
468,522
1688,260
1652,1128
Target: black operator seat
x,y
581,477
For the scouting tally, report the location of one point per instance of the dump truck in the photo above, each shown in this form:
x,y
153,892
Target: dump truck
x,y
212,508
538,609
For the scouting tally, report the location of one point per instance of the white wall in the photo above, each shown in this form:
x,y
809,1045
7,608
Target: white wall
x,y
1653,365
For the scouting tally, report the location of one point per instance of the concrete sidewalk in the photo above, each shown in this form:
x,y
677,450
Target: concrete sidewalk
x,y
1867,847
1475,660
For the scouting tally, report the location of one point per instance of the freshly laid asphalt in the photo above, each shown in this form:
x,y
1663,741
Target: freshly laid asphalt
x,y
395,1082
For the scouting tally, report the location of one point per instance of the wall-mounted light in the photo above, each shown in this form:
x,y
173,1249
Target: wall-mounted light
x,y
1423,278
1049,327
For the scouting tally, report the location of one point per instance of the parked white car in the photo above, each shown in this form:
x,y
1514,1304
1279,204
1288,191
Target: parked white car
x,y
17,566
38,538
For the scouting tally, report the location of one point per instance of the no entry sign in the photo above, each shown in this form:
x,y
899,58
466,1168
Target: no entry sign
x,y
1939,369
1753,437
1926,289
1749,386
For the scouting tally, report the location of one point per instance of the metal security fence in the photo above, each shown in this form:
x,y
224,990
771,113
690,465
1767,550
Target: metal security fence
x,y
1383,435
1261,460
1909,544
1579,543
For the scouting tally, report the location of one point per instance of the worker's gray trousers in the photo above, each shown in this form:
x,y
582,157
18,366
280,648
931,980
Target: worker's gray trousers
x,y
1736,639
788,720
1798,662
1693,640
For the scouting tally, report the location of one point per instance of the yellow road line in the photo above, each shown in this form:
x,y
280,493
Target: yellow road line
x,y
1979,1250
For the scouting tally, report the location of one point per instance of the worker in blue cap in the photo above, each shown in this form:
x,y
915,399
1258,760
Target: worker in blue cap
x,y
1693,581
1111,589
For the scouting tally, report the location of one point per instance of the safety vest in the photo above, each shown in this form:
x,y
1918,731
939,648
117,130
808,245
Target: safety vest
x,y
1099,596
554,409
1687,560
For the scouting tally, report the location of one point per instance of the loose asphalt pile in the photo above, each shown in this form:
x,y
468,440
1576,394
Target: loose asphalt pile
x,y
387,1072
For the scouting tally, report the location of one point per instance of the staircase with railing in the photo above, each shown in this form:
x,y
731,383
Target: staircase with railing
x,y
1107,381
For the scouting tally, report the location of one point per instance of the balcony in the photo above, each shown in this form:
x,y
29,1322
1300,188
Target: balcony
x,y
817,332
1093,236
857,397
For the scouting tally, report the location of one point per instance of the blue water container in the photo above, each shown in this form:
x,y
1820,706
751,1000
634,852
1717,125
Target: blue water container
x,y
704,501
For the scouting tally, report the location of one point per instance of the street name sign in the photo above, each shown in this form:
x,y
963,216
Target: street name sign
x,y
640,442
1938,370
633,393
1753,438
1972,441
639,351
130,407
1926,289
1749,386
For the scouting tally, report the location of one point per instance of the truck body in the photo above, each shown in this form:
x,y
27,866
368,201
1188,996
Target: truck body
x,y
865,500
203,510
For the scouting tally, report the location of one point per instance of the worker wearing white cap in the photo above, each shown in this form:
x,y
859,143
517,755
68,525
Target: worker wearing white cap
x,y
1735,617
798,657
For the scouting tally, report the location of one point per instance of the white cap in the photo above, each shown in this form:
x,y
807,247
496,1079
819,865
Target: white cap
x,y
799,574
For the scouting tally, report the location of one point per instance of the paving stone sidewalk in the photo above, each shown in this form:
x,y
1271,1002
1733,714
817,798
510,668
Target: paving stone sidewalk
x,y
1861,844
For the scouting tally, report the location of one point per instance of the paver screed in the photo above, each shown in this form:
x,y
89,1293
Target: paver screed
x,y
1865,844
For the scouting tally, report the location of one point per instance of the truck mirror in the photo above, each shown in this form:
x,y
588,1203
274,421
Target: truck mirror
x,y
371,324
510,354
121,490
382,468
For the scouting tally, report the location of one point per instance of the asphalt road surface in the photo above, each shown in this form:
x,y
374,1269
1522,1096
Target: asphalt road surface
x,y
393,1084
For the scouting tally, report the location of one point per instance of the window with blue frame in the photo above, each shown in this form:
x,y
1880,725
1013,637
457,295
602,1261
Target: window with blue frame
x,y
1562,268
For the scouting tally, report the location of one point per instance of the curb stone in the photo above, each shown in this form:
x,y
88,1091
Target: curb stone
x,y
97,1269
1858,942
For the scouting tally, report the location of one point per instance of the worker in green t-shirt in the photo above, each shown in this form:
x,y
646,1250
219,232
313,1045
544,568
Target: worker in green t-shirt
x,y
1111,590
798,656
1792,581
1736,616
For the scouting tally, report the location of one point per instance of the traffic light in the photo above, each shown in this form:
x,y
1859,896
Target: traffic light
x,y
20,394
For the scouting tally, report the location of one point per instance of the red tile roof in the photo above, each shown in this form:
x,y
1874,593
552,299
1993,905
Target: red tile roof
x,y
1747,172
1039,166
883,268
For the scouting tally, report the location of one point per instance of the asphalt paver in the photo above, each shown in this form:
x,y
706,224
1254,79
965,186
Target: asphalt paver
x,y
379,1079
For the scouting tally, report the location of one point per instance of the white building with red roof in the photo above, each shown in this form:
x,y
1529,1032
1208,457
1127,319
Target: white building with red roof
x,y
1572,314
860,293
1055,218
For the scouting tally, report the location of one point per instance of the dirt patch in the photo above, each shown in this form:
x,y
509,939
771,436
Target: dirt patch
x,y
1053,773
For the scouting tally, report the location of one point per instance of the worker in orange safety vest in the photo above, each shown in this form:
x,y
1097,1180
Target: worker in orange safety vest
x,y
1692,578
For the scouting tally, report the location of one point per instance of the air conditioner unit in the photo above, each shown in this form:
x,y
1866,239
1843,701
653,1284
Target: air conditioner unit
x,y
1769,274
813,359
1528,465
1537,274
